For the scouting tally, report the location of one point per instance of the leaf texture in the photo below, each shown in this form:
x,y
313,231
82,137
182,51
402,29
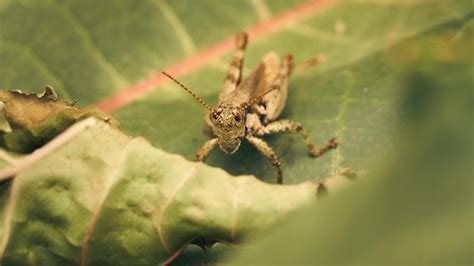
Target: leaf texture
x,y
31,120
105,199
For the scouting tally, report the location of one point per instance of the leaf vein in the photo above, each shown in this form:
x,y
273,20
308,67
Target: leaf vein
x,y
82,32
261,9
336,160
107,188
186,41
47,71
130,94
166,205
26,162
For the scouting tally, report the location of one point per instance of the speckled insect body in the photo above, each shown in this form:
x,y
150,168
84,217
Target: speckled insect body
x,y
248,109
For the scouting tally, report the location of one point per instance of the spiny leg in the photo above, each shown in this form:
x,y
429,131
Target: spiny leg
x,y
288,126
283,71
234,73
267,151
206,149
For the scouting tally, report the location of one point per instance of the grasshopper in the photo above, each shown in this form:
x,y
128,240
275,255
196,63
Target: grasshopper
x,y
248,109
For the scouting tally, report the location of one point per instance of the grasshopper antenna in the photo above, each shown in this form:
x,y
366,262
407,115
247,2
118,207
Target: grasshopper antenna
x,y
201,101
258,98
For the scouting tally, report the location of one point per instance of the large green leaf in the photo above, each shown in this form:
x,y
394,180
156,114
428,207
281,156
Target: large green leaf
x,y
88,50
351,96
101,198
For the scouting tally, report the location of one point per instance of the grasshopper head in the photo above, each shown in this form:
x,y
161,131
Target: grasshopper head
x,y
228,124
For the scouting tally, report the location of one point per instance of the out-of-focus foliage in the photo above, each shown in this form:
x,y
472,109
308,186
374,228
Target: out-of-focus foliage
x,y
417,209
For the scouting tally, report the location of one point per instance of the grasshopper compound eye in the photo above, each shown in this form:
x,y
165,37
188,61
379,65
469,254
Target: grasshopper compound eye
x,y
237,115
216,113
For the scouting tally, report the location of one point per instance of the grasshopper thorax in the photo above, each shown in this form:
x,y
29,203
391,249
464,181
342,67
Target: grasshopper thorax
x,y
228,125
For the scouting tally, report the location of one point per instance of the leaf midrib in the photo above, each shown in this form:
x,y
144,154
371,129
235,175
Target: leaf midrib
x,y
258,31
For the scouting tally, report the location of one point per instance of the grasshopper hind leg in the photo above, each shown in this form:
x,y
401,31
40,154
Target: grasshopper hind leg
x,y
234,72
277,74
274,108
288,126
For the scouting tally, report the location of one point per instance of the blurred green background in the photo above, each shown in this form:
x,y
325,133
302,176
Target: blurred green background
x,y
396,89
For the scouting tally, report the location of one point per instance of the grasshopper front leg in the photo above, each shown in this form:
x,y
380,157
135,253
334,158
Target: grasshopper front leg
x,y
206,149
288,126
268,152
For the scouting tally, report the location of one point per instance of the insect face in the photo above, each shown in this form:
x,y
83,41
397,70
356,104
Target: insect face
x,y
228,124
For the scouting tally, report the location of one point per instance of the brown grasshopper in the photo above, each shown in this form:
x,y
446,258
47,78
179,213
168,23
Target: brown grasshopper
x,y
248,109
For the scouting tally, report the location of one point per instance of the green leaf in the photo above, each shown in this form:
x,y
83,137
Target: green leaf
x,y
31,120
101,198
88,50
351,96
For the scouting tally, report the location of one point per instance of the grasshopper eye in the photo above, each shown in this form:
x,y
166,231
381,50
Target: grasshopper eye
x,y
237,118
216,113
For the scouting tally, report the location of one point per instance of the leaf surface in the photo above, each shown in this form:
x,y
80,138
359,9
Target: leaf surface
x,y
351,96
88,50
30,120
105,199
